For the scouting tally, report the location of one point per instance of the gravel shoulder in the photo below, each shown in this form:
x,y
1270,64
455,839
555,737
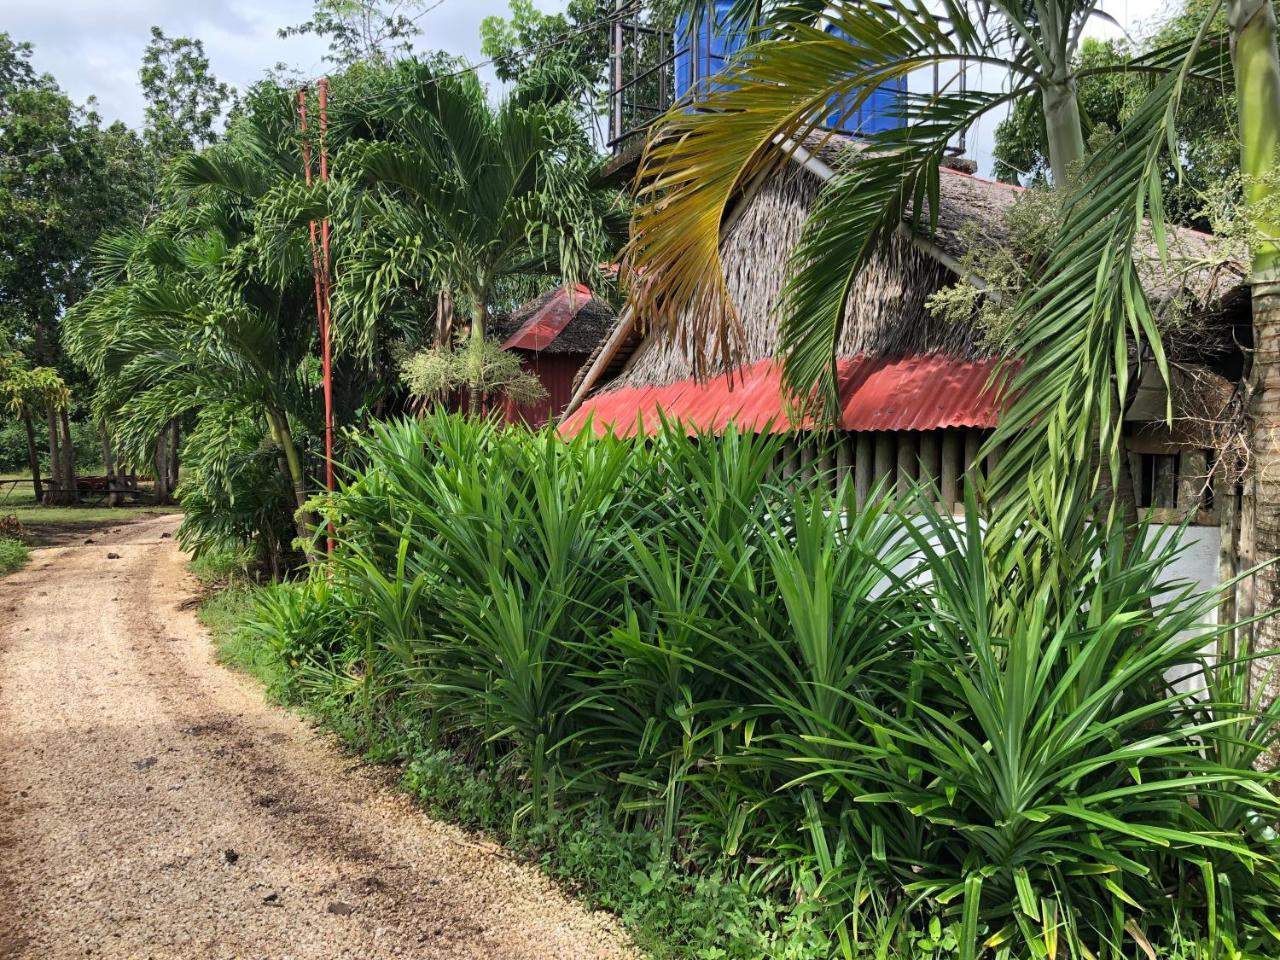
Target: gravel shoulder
x,y
152,804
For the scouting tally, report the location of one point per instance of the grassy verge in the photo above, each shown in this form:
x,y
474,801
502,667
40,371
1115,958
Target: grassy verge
x,y
13,554
669,913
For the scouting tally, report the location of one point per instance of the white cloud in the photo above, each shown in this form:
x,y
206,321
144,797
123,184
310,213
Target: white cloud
x,y
94,47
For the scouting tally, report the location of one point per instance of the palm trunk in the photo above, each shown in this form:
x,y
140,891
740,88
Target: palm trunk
x,y
479,321
1257,75
160,461
1064,132
109,465
302,517
173,457
33,455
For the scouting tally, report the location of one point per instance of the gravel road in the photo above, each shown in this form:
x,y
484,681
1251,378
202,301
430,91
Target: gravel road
x,y
152,805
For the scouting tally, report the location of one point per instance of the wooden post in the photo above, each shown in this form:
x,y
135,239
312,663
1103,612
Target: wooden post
x,y
907,461
844,458
1162,492
972,444
884,462
1193,475
952,468
1226,500
930,463
825,462
863,466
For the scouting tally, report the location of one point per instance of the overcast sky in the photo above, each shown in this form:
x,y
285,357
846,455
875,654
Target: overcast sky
x,y
94,47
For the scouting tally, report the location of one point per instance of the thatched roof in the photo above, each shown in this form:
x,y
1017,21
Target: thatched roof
x,y
565,319
965,200
887,315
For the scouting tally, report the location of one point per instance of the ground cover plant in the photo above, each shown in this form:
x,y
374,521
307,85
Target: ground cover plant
x,y
921,747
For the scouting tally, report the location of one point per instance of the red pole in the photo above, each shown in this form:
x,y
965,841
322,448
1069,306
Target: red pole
x,y
320,275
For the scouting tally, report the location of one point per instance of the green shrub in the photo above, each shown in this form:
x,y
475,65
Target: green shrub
x,y
13,554
852,709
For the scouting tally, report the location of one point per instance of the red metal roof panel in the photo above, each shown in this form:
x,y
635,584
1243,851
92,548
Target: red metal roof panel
x,y
549,321
926,392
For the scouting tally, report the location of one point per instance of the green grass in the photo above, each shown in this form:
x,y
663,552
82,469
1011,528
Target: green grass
x,y
224,614
13,554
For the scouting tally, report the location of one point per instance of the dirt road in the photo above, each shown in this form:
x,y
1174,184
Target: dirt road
x,y
152,805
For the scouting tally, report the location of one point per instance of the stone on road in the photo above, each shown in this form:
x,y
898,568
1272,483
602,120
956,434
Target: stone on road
x,y
153,805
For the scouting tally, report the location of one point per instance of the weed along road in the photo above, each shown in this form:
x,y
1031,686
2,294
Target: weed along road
x,y
153,805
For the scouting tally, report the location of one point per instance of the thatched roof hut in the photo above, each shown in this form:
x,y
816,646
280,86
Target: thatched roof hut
x,y
565,319
902,368
554,334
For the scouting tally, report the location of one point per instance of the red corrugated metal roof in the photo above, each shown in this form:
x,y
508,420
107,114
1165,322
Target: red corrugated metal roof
x,y
548,322
914,393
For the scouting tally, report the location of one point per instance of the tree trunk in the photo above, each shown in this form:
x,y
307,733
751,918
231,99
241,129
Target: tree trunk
x,y
173,456
54,492
444,318
1063,129
479,321
302,517
1257,74
161,463
109,465
71,493
33,456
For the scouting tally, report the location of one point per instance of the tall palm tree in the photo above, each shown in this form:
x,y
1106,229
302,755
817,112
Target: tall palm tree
x,y
201,309
464,196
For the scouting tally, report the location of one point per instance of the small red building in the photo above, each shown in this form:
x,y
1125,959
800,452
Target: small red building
x,y
554,335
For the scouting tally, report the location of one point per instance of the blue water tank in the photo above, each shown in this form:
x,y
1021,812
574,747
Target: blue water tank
x,y
705,45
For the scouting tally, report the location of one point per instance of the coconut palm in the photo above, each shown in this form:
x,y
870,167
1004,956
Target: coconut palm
x,y
464,196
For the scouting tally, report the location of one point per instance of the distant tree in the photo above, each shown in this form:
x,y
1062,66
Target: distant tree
x,y
466,196
1207,125
362,29
185,100
63,180
528,38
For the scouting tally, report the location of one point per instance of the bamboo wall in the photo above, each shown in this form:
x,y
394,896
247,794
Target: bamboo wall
x,y
1175,483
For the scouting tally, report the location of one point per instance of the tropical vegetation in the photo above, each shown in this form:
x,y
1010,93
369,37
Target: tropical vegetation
x,y
757,717
862,713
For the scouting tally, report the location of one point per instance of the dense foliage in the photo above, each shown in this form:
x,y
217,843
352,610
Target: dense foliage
x,y
859,711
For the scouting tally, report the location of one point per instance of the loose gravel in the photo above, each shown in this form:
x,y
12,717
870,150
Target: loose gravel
x,y
153,805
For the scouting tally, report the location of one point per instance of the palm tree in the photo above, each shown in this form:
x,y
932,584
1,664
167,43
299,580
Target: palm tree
x,y
203,310
776,93
466,197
